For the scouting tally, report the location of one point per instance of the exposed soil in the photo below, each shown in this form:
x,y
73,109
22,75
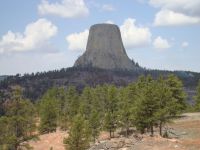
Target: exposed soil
x,y
49,141
186,136
189,126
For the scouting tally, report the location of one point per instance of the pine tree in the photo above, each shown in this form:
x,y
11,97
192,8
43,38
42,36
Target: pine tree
x,y
127,107
146,104
166,103
197,97
79,134
18,122
63,120
94,124
111,109
100,100
2,111
48,112
176,87
8,139
71,104
87,102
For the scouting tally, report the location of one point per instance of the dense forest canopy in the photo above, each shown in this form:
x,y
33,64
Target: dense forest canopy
x,y
36,84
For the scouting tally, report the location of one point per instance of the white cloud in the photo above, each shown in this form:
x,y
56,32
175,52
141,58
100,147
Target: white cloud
x,y
108,7
78,41
185,44
176,12
160,43
36,35
109,22
171,18
134,36
35,62
189,7
65,9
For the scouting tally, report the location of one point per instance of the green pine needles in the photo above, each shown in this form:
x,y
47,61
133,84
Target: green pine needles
x,y
143,105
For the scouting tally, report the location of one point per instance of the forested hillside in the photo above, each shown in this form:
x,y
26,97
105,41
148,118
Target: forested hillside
x,y
36,84
144,104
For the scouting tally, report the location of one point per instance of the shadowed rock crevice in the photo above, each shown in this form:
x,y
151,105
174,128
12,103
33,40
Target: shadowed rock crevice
x,y
105,49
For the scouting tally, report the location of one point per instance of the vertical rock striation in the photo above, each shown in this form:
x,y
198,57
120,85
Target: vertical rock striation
x,y
105,49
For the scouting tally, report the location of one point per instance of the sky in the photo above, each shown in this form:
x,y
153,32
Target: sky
x,y
42,35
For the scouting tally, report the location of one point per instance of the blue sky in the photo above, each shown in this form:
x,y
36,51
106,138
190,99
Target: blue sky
x,y
42,35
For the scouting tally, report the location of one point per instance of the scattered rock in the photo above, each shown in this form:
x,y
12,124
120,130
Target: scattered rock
x,y
115,144
176,146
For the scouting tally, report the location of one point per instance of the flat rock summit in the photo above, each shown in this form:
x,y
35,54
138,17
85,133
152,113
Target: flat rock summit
x,y
105,49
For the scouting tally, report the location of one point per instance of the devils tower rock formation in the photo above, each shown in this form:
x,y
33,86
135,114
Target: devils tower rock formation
x,y
105,49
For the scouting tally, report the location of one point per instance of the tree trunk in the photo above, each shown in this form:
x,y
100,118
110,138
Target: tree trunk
x,y
160,128
148,129
142,131
110,133
151,130
16,146
127,131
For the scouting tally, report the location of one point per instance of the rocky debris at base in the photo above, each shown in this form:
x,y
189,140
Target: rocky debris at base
x,y
142,142
121,143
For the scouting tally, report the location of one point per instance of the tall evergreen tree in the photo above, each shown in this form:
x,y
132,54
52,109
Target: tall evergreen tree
x,y
71,104
197,97
111,109
166,103
127,107
79,134
8,139
176,87
48,112
87,97
63,116
94,124
100,100
18,122
146,104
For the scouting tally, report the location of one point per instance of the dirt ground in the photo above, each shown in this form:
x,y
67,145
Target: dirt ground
x,y
189,129
186,129
50,141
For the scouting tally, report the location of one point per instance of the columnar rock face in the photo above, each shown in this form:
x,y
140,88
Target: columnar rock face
x,y
105,49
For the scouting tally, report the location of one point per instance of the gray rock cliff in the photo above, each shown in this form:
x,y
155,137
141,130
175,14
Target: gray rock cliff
x,y
105,49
